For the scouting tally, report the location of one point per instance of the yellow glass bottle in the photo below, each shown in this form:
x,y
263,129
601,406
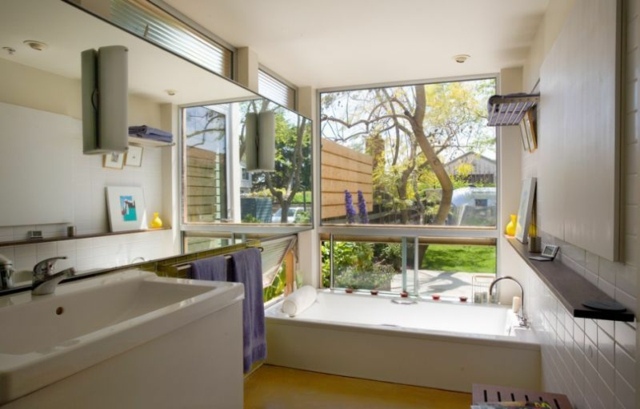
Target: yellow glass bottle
x,y
156,222
510,230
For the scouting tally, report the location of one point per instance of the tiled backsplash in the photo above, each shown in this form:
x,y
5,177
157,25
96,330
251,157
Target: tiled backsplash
x,y
87,254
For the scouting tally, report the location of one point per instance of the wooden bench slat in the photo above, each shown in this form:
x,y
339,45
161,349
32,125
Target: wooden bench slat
x,y
493,393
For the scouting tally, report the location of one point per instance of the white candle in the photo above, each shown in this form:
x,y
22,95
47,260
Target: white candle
x,y
516,304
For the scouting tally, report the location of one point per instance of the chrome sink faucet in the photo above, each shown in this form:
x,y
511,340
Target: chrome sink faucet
x,y
6,273
522,317
44,279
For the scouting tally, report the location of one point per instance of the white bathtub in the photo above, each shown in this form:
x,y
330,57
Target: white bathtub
x,y
439,344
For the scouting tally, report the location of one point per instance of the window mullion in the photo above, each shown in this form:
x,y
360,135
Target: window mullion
x,y
404,264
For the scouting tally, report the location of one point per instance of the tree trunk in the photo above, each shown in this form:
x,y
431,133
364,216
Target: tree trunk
x,y
437,166
430,153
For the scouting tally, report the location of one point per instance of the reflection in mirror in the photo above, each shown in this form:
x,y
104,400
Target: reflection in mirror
x,y
43,168
217,191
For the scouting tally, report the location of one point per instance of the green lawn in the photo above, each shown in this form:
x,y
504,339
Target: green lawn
x,y
472,259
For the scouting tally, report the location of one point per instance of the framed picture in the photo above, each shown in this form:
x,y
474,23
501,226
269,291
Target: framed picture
x,y
530,126
525,209
113,160
126,208
133,156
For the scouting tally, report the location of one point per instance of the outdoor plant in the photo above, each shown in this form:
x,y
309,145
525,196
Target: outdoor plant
x,y
354,267
362,208
250,219
303,217
345,255
378,276
348,203
392,254
277,286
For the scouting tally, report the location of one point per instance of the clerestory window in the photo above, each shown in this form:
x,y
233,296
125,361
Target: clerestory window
x,y
276,89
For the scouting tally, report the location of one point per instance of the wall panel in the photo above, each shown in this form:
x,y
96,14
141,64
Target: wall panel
x,y
579,130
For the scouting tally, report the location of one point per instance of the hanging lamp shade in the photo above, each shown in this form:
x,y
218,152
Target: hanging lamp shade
x,y
105,100
260,139
251,139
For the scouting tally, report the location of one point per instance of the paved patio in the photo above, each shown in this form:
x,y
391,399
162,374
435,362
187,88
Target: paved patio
x,y
444,283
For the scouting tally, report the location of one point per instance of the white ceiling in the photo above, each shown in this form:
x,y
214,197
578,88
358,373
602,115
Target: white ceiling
x,y
334,43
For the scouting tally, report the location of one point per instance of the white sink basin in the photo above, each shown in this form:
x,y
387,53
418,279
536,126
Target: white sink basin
x,y
47,338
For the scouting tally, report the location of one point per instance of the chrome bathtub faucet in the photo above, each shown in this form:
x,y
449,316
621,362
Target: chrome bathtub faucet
x,y
6,273
44,279
522,318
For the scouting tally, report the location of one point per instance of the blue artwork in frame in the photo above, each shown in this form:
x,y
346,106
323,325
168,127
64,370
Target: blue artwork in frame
x,y
126,208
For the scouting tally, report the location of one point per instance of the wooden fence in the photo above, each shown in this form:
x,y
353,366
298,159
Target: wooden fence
x,y
205,184
344,169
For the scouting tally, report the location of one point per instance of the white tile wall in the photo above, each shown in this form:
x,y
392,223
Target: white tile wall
x,y
594,361
91,253
90,211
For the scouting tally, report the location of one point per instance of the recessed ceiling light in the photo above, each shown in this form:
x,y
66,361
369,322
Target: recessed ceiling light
x,y
461,58
36,45
171,92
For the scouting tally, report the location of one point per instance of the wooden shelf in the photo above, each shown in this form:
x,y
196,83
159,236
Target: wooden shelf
x,y
494,393
149,142
570,287
77,237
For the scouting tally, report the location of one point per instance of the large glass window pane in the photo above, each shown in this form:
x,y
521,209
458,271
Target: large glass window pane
x,y
205,164
220,187
284,195
362,265
412,265
453,270
419,155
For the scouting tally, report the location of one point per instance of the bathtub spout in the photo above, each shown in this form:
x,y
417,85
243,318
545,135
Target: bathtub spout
x,y
522,318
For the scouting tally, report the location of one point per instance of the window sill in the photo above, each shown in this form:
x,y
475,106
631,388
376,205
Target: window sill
x,y
570,287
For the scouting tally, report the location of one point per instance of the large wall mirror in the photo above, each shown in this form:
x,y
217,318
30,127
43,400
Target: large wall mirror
x,y
48,185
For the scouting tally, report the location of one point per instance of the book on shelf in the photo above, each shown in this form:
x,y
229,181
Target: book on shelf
x,y
512,405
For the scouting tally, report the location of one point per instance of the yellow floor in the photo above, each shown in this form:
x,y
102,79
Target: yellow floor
x,y
274,387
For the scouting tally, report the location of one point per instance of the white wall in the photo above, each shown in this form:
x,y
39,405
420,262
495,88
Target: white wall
x,y
510,182
592,361
29,87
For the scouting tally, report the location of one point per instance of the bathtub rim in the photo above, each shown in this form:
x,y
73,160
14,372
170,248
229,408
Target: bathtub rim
x,y
524,338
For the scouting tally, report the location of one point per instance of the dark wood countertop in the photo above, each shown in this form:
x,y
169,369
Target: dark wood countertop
x,y
570,287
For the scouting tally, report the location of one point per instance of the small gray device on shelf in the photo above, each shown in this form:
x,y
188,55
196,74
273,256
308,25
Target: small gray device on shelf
x,y
548,253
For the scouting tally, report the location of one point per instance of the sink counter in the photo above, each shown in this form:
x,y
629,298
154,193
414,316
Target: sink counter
x,y
48,338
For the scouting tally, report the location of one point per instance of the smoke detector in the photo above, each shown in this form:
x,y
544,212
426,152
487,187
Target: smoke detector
x,y
36,45
461,58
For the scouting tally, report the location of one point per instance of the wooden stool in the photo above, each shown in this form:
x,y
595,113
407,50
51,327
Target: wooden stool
x,y
493,393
